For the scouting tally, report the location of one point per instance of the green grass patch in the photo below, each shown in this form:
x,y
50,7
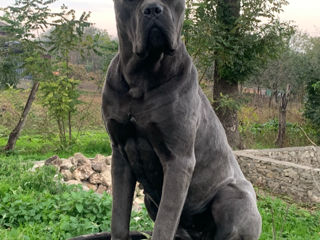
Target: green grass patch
x,y
38,147
284,221
34,205
263,135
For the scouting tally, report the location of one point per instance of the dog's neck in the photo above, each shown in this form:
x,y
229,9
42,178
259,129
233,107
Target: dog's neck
x,y
145,73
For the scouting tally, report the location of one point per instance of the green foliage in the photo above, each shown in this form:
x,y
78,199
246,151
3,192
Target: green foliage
x,y
287,221
67,34
35,205
263,135
9,63
99,55
312,104
227,103
22,52
238,38
60,96
25,20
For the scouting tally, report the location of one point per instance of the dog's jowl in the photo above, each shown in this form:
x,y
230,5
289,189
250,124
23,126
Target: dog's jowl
x,y
166,136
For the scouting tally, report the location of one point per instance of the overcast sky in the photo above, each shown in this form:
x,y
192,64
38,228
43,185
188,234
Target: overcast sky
x,y
305,13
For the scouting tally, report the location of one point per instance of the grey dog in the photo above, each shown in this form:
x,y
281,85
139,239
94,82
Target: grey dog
x,y
166,136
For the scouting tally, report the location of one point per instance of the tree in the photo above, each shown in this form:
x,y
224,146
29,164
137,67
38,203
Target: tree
x,y
233,38
60,96
98,59
312,104
65,37
286,77
24,21
27,20
10,59
284,99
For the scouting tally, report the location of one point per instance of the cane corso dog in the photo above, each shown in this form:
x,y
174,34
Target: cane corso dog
x,y
166,136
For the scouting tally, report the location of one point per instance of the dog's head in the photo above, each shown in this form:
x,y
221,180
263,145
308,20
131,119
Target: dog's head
x,y
150,25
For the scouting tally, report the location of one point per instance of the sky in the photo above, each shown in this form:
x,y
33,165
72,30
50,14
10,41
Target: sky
x,y
304,13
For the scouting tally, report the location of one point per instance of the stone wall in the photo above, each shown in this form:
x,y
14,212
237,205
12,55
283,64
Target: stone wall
x,y
294,172
308,156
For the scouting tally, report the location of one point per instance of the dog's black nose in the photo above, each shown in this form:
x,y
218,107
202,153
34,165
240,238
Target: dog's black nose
x,y
152,10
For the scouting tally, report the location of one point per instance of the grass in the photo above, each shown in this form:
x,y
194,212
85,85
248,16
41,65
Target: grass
x,y
259,128
38,147
282,220
34,205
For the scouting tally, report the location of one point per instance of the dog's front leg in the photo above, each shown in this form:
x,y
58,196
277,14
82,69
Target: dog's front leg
x,y
177,177
123,184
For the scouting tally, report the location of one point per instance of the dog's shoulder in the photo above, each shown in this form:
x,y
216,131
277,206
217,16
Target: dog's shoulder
x,y
114,80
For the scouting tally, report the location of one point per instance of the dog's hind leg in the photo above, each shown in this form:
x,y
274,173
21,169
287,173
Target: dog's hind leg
x,y
235,213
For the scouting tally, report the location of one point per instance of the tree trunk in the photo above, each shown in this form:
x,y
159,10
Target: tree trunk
x,y
270,98
284,99
61,132
14,135
69,125
227,115
228,11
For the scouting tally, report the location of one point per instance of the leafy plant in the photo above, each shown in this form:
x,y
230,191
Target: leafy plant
x,y
60,96
227,103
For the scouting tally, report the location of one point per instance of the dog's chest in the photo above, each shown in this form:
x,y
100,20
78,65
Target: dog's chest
x,y
140,154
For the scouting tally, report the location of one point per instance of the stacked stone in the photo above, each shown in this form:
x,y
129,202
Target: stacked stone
x,y
91,173
94,173
284,171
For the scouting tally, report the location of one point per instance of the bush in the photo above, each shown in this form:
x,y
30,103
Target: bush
x,y
312,105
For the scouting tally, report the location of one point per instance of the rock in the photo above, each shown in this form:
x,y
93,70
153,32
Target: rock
x,y
99,166
102,159
95,178
81,159
66,164
136,206
67,175
85,188
108,160
90,186
101,189
138,199
36,165
73,161
106,178
99,158
83,172
313,197
290,173
54,160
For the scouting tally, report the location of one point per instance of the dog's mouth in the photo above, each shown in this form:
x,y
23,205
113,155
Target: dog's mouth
x,y
154,40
